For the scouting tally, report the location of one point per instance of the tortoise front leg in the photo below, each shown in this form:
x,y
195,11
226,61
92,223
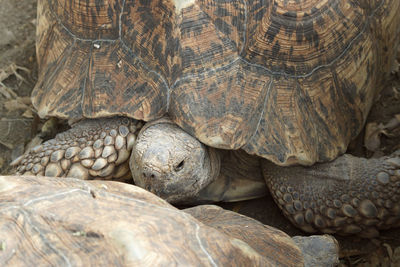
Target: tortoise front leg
x,y
91,149
349,195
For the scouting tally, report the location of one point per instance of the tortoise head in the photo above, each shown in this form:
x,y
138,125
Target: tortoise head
x,y
171,163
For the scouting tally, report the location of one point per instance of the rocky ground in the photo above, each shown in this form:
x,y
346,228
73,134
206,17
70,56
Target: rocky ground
x,y
20,128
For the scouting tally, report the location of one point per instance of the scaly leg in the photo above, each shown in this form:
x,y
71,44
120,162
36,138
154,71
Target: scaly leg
x,y
91,149
349,195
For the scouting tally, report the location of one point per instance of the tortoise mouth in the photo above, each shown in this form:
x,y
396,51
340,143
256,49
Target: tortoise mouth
x,y
175,187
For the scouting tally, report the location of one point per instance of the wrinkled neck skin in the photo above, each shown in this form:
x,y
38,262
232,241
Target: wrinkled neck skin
x,y
172,164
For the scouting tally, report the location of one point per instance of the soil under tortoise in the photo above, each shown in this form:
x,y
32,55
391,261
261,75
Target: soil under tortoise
x,y
68,223
289,82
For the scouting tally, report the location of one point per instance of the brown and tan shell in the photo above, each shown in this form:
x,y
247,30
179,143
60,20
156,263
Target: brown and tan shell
x,y
70,222
291,81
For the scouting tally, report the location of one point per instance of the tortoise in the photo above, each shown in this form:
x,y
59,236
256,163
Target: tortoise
x,y
239,97
67,222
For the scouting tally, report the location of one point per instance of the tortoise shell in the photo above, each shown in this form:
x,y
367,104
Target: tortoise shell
x,y
70,222
291,81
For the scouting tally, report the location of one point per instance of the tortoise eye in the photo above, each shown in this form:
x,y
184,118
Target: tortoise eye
x,y
179,166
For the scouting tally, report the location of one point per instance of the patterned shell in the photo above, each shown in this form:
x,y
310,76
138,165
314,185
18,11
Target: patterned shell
x,y
289,80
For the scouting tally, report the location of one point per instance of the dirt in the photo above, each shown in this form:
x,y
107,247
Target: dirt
x,y
21,128
17,49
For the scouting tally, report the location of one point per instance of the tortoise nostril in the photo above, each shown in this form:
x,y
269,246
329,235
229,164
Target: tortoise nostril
x,y
149,174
